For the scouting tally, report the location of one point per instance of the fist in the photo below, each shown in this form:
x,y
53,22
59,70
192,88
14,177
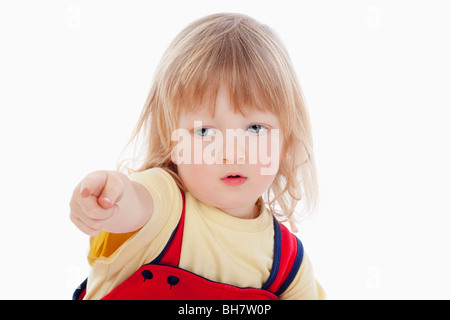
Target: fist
x,y
94,201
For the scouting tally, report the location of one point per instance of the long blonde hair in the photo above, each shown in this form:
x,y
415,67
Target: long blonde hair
x,y
251,60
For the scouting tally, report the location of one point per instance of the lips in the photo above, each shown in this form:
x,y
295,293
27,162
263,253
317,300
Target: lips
x,y
234,179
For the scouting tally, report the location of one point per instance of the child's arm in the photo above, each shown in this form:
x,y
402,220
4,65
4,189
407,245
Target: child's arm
x,y
109,201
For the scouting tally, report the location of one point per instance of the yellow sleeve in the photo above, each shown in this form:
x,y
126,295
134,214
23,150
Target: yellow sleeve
x,y
105,244
304,286
115,257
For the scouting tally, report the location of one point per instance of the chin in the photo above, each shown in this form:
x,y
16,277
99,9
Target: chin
x,y
231,199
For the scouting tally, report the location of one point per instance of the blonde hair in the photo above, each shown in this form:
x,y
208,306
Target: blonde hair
x,y
248,57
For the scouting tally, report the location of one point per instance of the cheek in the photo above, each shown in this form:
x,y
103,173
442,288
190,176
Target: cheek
x,y
194,176
187,172
269,154
263,181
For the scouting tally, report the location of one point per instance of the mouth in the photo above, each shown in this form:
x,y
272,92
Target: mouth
x,y
234,179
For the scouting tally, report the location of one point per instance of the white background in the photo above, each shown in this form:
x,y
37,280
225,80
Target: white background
x,y
376,75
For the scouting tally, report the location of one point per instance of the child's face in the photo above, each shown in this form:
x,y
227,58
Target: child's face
x,y
228,161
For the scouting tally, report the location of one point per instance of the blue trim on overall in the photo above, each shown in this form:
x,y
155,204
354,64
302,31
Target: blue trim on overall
x,y
80,290
276,255
159,257
297,262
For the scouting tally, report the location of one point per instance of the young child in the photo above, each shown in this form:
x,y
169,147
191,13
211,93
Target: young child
x,y
227,153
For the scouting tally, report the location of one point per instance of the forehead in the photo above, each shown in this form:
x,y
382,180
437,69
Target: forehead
x,y
223,105
224,116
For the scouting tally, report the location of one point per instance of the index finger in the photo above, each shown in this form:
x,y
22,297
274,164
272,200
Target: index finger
x,y
93,184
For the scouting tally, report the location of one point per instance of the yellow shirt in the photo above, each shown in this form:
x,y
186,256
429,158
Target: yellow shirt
x,y
216,246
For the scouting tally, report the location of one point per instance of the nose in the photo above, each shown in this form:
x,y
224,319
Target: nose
x,y
233,151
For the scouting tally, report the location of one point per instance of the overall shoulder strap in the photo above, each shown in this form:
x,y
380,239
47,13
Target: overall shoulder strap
x,y
287,258
171,253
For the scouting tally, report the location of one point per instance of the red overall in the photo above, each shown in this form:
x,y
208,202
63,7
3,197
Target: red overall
x,y
162,279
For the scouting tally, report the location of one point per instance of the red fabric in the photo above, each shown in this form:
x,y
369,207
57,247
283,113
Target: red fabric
x,y
288,254
171,255
189,287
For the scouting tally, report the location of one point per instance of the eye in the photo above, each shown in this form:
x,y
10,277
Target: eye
x,y
256,128
205,132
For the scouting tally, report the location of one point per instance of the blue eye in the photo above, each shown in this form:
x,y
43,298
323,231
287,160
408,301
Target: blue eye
x,y
256,128
205,132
